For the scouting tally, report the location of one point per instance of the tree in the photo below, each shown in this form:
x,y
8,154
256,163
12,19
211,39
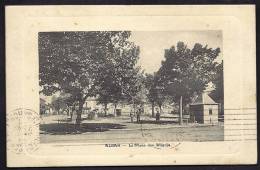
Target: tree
x,y
76,62
133,88
218,93
109,92
155,93
58,104
187,71
150,85
120,71
125,85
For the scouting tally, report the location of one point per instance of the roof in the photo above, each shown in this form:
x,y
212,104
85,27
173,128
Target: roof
x,y
203,99
42,100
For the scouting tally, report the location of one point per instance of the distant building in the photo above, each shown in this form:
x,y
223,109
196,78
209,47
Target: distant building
x,y
122,107
204,109
44,107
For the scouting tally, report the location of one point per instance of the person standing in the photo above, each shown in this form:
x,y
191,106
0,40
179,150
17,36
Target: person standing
x,y
157,115
132,117
138,114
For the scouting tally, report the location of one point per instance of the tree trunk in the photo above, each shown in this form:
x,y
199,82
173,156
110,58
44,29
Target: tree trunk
x,y
115,108
79,112
153,109
134,106
68,111
180,111
105,109
160,106
72,111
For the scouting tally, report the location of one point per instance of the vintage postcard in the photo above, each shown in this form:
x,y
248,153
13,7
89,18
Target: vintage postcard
x,y
130,85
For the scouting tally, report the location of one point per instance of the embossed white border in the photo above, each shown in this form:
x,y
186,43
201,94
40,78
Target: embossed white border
x,y
237,24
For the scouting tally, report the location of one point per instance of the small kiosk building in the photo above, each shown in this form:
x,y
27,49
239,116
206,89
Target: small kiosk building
x,y
204,109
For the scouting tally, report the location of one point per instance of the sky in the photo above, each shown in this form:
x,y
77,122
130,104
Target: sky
x,y
153,43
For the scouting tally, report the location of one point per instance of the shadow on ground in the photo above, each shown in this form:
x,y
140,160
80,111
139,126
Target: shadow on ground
x,y
160,122
66,128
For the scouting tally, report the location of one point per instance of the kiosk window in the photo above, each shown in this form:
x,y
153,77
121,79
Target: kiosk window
x,y
210,111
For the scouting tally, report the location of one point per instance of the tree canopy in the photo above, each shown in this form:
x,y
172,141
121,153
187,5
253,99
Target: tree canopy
x,y
103,64
83,63
185,71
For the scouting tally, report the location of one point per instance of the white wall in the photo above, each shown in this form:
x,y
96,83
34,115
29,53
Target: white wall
x,y
210,119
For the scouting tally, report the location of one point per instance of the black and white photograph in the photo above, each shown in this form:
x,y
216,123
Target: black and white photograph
x,y
125,85
131,86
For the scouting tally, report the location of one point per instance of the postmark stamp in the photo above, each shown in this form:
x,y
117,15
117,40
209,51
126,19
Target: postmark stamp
x,y
22,131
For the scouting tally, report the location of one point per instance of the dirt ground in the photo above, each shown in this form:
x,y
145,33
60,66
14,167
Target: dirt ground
x,y
120,129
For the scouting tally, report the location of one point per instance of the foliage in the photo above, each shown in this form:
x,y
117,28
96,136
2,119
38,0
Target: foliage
x,y
133,86
150,84
83,63
120,70
155,90
185,71
58,104
73,61
218,93
218,81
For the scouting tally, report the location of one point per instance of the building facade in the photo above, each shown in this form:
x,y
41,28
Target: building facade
x,y
204,110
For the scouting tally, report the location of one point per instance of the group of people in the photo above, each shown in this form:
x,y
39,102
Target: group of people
x,y
138,115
